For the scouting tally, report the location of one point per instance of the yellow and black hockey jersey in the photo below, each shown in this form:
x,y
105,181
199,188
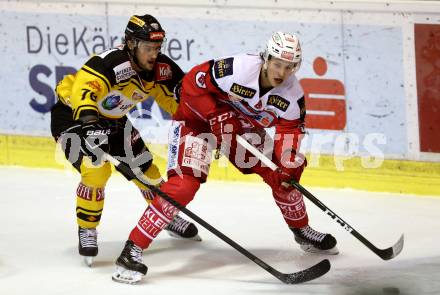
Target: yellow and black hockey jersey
x,y
108,85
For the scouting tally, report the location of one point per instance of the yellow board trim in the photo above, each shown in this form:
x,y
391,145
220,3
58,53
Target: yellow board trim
x,y
397,176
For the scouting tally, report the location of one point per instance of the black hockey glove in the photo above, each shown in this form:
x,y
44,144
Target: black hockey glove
x,y
95,140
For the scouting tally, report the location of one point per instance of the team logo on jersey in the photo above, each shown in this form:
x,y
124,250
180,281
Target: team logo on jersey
x,y
223,67
137,96
94,85
163,71
242,91
201,79
278,102
111,102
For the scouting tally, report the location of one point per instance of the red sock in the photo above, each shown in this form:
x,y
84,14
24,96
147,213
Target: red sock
x,y
159,213
292,207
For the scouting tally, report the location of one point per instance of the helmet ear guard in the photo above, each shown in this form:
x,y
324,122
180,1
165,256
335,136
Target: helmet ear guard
x,y
284,46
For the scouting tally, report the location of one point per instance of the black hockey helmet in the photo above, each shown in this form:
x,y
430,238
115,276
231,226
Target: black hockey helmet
x,y
145,28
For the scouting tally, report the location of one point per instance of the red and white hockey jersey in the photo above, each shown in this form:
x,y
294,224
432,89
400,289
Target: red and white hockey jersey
x,y
238,76
235,80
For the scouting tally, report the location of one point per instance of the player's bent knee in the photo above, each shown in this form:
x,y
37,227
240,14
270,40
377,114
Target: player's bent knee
x,y
181,188
95,176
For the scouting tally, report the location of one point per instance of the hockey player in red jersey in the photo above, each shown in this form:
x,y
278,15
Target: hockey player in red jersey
x,y
219,99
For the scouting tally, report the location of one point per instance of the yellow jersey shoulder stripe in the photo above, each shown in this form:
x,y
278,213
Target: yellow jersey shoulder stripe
x,y
95,73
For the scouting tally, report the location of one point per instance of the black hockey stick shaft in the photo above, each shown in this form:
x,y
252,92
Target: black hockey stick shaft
x,y
293,278
385,254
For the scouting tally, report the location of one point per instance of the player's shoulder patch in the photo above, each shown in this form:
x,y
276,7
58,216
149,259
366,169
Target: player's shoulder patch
x,y
163,71
166,69
223,67
116,61
242,91
278,102
123,71
201,79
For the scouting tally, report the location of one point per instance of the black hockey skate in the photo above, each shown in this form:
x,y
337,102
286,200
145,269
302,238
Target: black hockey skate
x,y
129,265
314,241
181,228
87,245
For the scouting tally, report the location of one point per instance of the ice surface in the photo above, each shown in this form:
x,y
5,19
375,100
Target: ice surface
x,y
38,241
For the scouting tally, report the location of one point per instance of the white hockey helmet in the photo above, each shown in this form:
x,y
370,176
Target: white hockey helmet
x,y
284,46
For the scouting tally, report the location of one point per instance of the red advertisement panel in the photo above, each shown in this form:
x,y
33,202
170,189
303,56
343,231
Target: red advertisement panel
x,y
427,45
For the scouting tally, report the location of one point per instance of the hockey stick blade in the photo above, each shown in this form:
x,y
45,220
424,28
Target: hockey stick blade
x,y
306,275
385,254
391,252
294,278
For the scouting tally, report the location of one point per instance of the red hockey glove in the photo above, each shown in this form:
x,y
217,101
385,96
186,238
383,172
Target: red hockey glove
x,y
284,175
288,140
223,122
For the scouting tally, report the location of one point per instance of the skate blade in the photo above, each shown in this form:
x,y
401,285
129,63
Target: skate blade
x,y
196,238
125,276
312,249
88,260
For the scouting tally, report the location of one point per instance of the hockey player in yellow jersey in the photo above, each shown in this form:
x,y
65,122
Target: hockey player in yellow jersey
x,y
89,118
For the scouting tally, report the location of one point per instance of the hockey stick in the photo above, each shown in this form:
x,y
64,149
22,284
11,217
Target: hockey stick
x,y
308,274
385,254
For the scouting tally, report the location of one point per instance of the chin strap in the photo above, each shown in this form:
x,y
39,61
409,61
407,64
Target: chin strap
x,y
134,57
265,68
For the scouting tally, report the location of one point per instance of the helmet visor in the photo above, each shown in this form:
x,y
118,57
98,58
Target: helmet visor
x,y
292,66
150,47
